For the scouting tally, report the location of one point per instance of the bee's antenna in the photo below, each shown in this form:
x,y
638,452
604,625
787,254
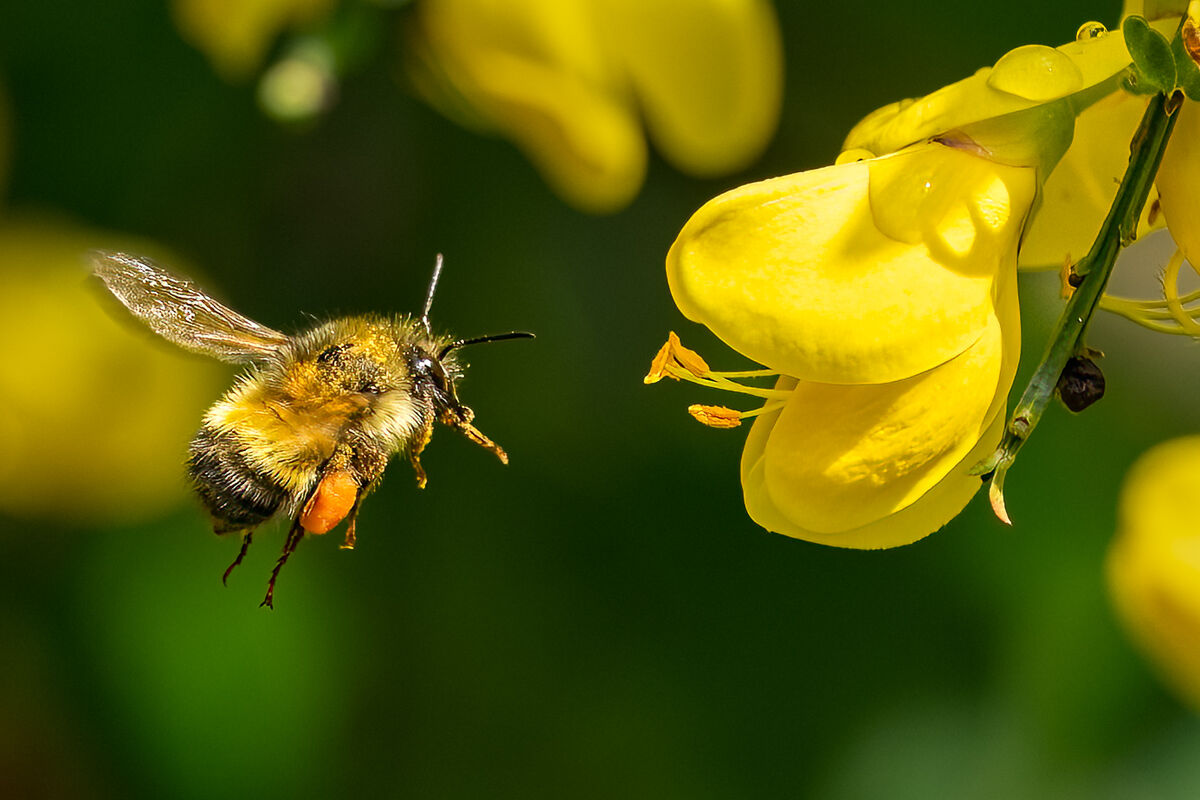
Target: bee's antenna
x,y
491,337
437,272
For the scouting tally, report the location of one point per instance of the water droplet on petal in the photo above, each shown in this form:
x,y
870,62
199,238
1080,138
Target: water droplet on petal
x,y
1036,72
1090,30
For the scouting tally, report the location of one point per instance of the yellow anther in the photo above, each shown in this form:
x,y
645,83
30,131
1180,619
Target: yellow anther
x,y
688,359
716,416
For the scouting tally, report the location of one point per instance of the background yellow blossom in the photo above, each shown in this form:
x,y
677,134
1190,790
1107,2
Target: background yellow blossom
x,y
569,81
1154,562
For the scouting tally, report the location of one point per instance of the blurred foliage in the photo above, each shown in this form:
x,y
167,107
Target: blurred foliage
x,y
599,618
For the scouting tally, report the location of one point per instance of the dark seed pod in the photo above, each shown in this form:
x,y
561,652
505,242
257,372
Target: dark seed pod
x,y
1080,384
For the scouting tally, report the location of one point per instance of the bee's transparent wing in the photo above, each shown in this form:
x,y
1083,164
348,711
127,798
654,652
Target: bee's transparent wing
x,y
179,312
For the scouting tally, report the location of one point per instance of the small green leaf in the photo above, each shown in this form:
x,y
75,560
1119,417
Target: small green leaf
x,y
1151,52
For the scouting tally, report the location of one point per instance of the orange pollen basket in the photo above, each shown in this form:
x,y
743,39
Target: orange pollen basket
x,y
330,504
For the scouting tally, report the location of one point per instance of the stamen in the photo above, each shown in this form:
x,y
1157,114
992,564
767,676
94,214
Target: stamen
x,y
716,416
1169,315
688,359
658,365
1171,293
673,357
677,362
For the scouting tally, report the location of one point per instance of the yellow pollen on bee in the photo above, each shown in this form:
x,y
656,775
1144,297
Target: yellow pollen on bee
x,y
716,416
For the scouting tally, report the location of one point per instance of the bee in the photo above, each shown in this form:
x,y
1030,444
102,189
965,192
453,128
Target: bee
x,y
309,428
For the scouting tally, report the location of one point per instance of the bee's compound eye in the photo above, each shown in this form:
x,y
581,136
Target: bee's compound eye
x,y
425,365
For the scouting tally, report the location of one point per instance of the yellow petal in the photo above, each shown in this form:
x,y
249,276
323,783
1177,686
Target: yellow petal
x,y
235,34
708,75
863,272
1179,183
1078,194
1020,84
1154,561
924,516
881,466
533,71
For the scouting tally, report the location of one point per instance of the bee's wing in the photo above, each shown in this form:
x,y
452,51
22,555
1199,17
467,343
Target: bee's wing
x,y
179,312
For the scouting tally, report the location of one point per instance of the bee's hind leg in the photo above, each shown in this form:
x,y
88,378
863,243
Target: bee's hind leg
x,y
289,546
246,537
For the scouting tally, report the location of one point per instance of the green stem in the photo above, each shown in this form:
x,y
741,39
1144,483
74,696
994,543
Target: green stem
x,y
1118,230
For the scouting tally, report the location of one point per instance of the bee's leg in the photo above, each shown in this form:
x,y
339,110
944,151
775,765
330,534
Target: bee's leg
x,y
414,453
293,539
461,418
246,537
353,517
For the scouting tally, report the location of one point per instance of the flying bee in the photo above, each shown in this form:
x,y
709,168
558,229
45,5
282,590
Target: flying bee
x,y
310,427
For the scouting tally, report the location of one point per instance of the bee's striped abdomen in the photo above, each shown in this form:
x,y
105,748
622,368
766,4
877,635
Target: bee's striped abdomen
x,y
237,496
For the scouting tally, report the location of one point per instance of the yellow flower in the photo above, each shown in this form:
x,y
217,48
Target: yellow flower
x,y
1154,562
96,416
995,108
1179,183
235,34
569,81
1082,187
882,292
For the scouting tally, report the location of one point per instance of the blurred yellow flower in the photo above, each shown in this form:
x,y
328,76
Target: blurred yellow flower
x,y
570,81
236,34
1154,562
882,292
96,416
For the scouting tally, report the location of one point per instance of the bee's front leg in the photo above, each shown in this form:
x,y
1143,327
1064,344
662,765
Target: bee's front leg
x,y
420,440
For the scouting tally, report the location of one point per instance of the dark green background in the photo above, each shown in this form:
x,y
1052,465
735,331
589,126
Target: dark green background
x,y
600,618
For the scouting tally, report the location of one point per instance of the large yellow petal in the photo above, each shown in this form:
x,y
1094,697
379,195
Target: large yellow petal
x,y
864,272
708,75
881,466
924,516
1154,562
1179,183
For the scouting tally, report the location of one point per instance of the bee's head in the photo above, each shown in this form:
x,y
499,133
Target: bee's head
x,y
434,373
